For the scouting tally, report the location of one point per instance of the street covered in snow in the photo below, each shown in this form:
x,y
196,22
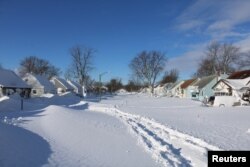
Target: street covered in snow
x,y
120,130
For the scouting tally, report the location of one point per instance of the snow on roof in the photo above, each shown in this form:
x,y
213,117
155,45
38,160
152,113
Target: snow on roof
x,y
9,79
176,84
204,81
168,85
74,84
45,82
237,83
64,83
39,80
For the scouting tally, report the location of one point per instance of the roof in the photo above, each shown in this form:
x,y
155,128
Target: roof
x,y
188,82
176,84
204,81
240,74
237,83
64,83
45,82
75,84
9,79
168,85
40,81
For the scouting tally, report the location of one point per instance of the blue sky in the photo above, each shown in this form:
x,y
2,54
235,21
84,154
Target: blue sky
x,y
119,30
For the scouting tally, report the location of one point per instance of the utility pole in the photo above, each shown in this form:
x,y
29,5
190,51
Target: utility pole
x,y
100,83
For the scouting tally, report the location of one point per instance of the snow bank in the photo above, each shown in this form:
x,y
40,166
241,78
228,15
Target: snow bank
x,y
20,147
65,136
4,98
121,91
88,139
47,95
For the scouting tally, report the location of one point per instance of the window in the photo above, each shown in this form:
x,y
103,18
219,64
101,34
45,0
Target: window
x,y
222,94
194,94
34,92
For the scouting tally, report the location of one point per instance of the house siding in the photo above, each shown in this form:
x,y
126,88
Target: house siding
x,y
40,84
207,91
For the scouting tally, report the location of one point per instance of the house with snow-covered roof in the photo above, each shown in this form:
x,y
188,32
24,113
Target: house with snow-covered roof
x,y
61,85
163,89
175,89
39,83
203,88
11,83
78,89
238,88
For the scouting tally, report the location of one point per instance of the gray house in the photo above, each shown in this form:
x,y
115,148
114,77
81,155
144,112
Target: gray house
x,y
39,84
10,83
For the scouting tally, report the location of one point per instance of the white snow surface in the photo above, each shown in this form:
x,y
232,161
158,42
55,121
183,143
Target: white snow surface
x,y
122,130
10,79
224,127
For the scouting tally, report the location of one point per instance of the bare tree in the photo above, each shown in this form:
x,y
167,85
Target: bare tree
x,y
170,76
82,58
35,65
147,66
206,68
212,55
244,63
228,58
221,58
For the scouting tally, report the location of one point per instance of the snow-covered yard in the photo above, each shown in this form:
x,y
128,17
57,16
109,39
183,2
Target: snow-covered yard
x,y
122,130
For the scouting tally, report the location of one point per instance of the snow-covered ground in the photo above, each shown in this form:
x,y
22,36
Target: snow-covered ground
x,y
121,130
225,127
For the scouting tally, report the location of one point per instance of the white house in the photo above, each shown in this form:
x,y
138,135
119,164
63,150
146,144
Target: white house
x,y
175,90
78,89
232,87
39,84
163,90
61,85
11,83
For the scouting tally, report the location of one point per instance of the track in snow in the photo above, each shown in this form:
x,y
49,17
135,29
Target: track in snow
x,y
167,146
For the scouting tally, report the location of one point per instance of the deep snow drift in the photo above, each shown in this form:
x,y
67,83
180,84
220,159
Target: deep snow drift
x,y
66,136
122,130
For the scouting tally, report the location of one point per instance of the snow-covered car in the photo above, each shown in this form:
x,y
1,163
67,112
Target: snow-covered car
x,y
222,101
